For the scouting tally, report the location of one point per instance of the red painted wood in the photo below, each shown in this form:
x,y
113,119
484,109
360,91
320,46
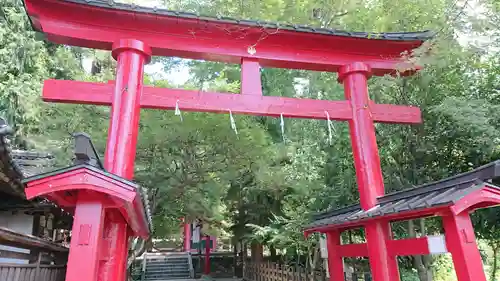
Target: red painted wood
x,y
74,24
187,236
362,131
335,260
461,242
400,247
131,56
83,260
353,250
124,124
68,185
483,198
161,98
409,247
116,236
207,255
250,77
384,267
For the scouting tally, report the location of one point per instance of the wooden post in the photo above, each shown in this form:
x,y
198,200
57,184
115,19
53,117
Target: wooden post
x,y
36,225
235,257
143,268
38,261
277,272
461,242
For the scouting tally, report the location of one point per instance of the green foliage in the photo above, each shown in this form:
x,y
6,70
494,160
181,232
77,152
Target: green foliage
x,y
409,275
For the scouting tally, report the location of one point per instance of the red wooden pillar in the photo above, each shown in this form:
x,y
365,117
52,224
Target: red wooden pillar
x,y
250,77
368,171
131,56
187,236
207,255
86,242
335,260
461,242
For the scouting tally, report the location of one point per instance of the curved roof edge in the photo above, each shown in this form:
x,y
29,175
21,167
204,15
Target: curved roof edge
x,y
395,36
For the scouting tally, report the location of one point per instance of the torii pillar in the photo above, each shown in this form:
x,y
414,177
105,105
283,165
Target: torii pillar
x,y
131,56
368,170
187,236
107,206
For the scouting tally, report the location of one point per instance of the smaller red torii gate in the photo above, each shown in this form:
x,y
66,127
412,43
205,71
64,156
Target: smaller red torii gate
x,y
133,34
452,199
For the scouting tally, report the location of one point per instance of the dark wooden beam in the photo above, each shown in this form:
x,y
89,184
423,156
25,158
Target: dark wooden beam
x,y
9,237
15,255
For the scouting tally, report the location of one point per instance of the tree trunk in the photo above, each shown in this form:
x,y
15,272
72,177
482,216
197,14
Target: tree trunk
x,y
315,258
494,268
257,252
421,263
272,250
140,248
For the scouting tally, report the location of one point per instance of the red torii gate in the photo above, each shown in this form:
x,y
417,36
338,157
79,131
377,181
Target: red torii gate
x,y
134,34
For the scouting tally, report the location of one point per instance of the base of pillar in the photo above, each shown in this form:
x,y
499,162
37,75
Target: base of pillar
x,y
206,277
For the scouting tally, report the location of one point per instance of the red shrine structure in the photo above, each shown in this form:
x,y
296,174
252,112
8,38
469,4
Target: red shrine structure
x,y
105,202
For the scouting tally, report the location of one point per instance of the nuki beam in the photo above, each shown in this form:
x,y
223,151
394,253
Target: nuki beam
x,y
428,245
65,91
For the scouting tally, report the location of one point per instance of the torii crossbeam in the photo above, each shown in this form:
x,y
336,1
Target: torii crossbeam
x,y
134,34
246,103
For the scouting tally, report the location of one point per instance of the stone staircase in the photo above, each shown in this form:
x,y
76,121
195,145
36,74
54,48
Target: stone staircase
x,y
167,266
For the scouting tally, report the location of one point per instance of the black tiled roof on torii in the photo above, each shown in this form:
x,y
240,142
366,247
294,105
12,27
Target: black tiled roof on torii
x,y
441,193
401,36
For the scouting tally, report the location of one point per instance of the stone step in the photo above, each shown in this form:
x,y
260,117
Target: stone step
x,y
162,271
168,267
166,276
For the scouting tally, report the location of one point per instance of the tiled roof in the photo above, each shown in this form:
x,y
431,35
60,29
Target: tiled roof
x,y
10,173
32,162
18,164
401,36
441,193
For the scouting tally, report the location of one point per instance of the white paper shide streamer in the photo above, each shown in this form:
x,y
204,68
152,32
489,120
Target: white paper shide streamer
x,y
177,110
233,124
282,125
329,125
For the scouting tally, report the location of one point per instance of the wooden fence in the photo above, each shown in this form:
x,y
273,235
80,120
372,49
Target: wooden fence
x,y
32,272
276,272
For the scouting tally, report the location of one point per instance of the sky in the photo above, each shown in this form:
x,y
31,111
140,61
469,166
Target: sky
x,y
177,76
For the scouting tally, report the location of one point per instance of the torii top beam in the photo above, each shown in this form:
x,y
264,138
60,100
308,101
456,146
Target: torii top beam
x,y
98,23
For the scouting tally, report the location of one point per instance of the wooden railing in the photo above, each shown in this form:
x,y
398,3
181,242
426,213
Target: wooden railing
x,y
45,260
32,272
276,272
